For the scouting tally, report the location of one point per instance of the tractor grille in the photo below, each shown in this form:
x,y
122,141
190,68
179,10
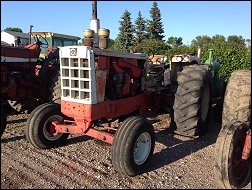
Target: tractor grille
x,y
77,74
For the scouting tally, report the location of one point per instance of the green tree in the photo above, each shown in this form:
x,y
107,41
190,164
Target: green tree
x,y
151,46
14,29
117,46
183,49
125,37
217,39
236,39
155,26
201,40
232,54
140,28
111,42
174,41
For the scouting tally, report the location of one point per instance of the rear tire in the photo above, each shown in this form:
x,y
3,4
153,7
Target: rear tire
x,y
55,88
192,101
39,130
3,122
237,100
235,121
133,146
232,172
24,106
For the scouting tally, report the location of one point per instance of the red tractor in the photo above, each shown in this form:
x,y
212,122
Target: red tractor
x,y
107,95
99,86
26,80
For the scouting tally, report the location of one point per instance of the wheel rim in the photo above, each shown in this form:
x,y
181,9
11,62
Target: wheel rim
x,y
205,102
142,148
49,128
240,167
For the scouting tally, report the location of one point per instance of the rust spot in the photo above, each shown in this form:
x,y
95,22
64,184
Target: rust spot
x,y
100,84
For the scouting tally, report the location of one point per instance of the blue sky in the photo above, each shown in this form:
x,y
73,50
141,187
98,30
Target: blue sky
x,y
186,19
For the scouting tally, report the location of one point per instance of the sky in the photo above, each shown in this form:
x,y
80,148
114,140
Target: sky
x,y
186,19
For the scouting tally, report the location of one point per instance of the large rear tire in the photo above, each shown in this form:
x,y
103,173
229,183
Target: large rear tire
x,y
3,122
4,112
39,129
24,106
232,172
192,101
237,100
55,87
133,146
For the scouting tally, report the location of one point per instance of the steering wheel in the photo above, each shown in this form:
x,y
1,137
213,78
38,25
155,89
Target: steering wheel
x,y
43,44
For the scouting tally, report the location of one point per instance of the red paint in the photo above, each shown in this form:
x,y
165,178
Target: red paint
x,y
101,135
247,146
107,109
100,78
132,65
29,51
103,63
85,114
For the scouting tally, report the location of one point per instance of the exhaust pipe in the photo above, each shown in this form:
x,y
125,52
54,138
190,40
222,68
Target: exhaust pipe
x,y
95,23
96,37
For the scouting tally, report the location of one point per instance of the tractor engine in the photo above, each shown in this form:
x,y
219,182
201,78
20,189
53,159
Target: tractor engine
x,y
124,78
158,72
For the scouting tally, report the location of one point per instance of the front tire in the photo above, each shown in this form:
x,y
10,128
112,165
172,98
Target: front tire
x,y
39,129
133,146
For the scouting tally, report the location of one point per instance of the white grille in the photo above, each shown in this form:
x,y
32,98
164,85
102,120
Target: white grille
x,y
77,74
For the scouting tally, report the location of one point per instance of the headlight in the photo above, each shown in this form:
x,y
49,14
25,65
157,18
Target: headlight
x,y
179,58
186,58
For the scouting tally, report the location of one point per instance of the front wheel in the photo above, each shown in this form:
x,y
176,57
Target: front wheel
x,y
133,146
39,128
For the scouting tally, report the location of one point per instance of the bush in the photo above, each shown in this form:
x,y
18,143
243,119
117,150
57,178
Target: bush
x,y
151,46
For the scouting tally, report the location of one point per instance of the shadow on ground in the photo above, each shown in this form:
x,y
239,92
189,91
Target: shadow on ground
x,y
177,149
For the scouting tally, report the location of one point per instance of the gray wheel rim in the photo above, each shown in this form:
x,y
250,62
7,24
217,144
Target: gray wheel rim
x,y
205,103
142,148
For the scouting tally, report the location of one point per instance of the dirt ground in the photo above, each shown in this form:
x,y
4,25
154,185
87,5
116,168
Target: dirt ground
x,y
83,162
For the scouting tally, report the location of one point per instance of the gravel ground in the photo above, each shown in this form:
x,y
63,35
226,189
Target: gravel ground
x,y
83,162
